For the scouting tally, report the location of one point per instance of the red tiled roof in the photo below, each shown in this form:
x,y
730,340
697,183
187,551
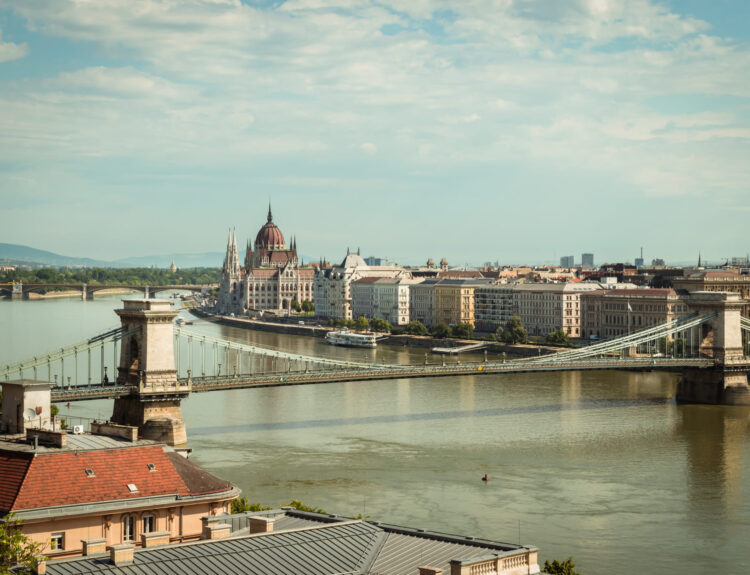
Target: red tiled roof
x,y
263,274
55,479
13,467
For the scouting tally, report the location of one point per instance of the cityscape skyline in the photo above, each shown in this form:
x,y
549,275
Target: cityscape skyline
x,y
518,132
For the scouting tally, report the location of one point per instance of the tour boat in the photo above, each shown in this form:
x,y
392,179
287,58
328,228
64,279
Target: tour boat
x,y
351,339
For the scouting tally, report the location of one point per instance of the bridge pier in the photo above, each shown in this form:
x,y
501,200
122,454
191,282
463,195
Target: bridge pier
x,y
725,383
86,293
147,366
17,291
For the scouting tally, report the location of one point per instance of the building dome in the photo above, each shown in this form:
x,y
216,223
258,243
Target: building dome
x,y
269,236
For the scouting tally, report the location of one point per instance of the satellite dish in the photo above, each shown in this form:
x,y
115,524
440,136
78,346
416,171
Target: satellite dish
x,y
29,414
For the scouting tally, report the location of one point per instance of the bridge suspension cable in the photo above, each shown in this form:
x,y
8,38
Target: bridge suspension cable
x,y
197,337
629,341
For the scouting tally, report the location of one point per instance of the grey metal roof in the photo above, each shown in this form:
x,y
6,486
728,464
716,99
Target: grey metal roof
x,y
302,542
333,548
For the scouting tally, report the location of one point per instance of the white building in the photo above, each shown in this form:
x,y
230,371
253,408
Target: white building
x,y
384,298
332,287
422,301
544,308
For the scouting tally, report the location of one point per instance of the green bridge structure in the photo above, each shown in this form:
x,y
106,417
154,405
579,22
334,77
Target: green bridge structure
x,y
155,364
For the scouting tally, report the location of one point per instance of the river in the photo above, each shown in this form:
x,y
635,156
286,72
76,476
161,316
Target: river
x,y
601,466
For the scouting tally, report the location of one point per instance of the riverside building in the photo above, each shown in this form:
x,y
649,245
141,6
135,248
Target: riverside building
x,y
544,308
332,287
270,278
383,298
614,313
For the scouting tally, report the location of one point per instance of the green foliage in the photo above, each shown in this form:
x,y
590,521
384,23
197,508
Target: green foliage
x,y
241,505
297,306
669,347
297,504
380,325
362,323
416,328
441,330
114,276
308,306
63,424
54,409
513,331
558,337
15,547
463,330
566,567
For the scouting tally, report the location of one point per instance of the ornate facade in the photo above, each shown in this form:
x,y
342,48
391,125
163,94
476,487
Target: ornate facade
x,y
269,279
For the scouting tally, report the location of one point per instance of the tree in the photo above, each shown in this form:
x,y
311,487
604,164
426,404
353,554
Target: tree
x,y
463,330
362,323
513,332
380,325
308,306
297,306
53,409
566,567
416,328
240,505
558,337
297,504
15,547
441,330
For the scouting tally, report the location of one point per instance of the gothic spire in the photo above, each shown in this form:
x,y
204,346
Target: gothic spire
x,y
270,216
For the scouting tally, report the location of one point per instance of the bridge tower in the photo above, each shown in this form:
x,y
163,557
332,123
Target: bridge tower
x,y
726,383
147,365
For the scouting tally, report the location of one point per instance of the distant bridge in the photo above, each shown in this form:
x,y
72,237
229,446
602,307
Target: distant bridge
x,y
20,290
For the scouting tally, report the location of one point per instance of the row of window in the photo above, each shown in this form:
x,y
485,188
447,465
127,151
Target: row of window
x,y
147,523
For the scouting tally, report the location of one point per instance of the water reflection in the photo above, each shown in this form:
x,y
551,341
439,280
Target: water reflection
x,y
716,439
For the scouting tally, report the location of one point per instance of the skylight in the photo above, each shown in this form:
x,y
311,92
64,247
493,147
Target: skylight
x,y
132,487
151,467
90,473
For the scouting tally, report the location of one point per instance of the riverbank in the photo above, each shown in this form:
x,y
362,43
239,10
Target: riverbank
x,y
418,341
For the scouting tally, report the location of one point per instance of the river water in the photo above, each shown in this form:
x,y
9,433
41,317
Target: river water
x,y
601,466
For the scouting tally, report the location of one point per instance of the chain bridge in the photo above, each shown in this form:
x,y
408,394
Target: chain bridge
x,y
154,364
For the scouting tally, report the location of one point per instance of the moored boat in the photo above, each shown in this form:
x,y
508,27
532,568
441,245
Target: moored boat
x,y
351,339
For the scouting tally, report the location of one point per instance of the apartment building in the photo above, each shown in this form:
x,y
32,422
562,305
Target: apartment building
x,y
545,308
493,306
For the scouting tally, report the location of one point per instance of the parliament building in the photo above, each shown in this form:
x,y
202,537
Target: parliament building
x,y
270,278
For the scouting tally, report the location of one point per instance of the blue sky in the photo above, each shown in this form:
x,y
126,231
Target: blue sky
x,y
506,130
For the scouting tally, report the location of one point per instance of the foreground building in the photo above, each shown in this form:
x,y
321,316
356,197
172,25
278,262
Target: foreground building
x,y
78,490
286,541
271,277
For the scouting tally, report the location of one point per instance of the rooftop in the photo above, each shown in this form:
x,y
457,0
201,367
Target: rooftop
x,y
303,542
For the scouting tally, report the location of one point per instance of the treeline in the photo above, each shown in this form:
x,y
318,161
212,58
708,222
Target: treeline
x,y
114,276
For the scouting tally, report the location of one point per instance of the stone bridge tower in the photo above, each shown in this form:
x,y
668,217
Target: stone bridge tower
x,y
147,365
726,383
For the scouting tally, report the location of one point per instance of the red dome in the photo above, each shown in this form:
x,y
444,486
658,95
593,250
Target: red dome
x,y
269,237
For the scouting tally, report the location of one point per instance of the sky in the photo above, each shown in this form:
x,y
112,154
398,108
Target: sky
x,y
515,131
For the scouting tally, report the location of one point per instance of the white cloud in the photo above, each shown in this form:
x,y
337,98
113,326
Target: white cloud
x,y
369,148
10,51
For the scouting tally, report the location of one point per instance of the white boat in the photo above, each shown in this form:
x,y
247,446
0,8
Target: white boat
x,y
180,321
351,339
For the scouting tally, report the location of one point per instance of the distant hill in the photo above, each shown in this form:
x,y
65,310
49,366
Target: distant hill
x,y
14,254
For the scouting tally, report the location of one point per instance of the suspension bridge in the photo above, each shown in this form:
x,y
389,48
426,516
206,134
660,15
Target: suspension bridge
x,y
148,364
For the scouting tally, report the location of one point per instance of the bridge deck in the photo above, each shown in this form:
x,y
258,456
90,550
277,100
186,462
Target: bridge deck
x,y
214,383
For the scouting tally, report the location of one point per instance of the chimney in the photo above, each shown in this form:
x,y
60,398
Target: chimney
x,y
94,546
121,554
260,524
41,566
426,570
216,531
